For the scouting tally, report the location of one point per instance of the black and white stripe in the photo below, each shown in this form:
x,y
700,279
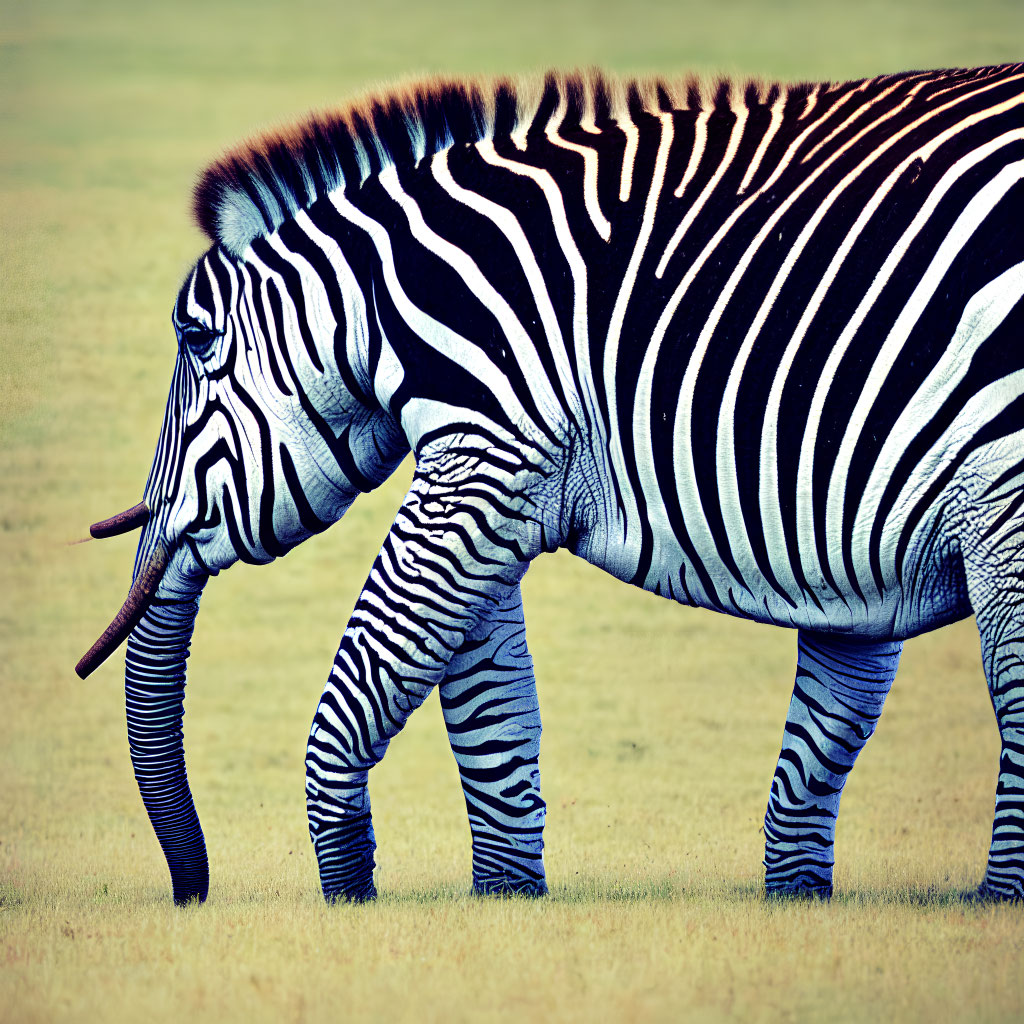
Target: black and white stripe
x,y
753,347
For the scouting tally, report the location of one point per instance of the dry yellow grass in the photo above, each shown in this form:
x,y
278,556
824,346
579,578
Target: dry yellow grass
x,y
656,770
435,956
661,725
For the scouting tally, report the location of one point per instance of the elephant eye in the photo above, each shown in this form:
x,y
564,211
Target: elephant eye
x,y
199,338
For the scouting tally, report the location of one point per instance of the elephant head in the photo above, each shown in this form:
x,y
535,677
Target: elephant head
x,y
271,430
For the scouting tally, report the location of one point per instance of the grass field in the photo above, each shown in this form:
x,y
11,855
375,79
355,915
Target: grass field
x,y
661,725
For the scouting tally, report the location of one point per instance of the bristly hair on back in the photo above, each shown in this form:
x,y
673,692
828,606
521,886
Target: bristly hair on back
x,y
253,189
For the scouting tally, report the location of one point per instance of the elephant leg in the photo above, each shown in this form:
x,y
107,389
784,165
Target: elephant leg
x,y
449,561
994,564
841,686
489,699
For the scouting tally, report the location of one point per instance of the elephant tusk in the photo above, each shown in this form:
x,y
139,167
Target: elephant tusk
x,y
123,522
139,598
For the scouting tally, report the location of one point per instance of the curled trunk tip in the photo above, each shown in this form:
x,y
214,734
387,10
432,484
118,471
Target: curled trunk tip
x,y
139,599
123,522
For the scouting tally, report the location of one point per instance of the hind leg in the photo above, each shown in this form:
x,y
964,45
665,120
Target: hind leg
x,y
489,699
995,582
841,685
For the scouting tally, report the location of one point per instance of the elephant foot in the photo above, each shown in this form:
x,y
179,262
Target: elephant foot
x,y
989,893
799,890
344,853
367,895
528,887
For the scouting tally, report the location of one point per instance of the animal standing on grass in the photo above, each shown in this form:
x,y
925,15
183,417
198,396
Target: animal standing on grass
x,y
757,348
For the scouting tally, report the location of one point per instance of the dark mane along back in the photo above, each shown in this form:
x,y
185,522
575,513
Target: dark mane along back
x,y
254,188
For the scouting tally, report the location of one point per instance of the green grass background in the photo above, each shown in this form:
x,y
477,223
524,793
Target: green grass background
x,y
661,724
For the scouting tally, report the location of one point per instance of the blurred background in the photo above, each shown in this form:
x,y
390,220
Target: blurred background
x,y
662,724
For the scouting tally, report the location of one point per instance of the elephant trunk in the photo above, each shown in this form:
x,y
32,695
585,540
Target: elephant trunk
x,y
158,647
157,619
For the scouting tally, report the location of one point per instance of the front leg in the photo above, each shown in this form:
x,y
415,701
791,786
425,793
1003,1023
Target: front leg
x,y
460,543
489,699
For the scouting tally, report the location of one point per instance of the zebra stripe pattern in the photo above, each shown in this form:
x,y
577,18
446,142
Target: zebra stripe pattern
x,y
154,696
752,347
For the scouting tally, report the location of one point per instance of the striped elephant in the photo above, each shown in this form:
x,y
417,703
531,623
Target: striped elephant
x,y
753,347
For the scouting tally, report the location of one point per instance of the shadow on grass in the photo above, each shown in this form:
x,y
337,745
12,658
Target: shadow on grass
x,y
936,896
661,889
649,890
666,889
10,896
924,896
